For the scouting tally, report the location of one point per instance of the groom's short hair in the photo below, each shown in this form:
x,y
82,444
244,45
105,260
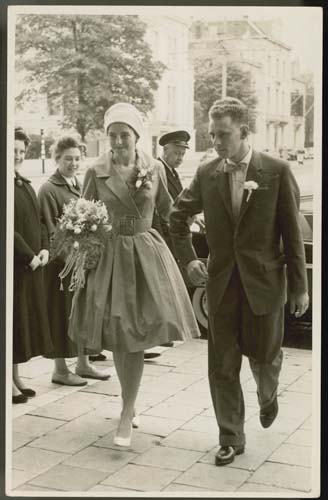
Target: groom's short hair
x,y
229,106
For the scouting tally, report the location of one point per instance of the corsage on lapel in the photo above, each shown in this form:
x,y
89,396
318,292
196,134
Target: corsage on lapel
x,y
144,175
250,186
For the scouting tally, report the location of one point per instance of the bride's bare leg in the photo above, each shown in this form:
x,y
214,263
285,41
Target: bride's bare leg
x,y
130,368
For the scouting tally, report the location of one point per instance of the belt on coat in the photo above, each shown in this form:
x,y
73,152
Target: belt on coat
x,y
130,226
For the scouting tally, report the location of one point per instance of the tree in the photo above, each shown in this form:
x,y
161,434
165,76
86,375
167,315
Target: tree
x,y
86,63
208,88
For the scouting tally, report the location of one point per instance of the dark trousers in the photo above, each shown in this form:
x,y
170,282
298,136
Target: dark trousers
x,y
234,330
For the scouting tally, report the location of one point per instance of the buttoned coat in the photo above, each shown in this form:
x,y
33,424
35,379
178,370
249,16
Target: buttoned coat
x,y
53,194
31,336
253,243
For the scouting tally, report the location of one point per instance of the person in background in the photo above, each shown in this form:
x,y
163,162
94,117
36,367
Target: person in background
x,y
61,187
135,298
251,203
31,335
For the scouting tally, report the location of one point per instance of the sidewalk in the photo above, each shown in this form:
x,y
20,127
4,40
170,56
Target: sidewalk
x,y
63,438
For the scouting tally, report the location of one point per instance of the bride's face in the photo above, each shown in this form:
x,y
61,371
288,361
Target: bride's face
x,y
122,139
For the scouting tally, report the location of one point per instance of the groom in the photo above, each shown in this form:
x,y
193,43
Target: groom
x,y
250,202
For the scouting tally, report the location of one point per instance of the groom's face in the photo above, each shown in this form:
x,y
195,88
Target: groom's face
x,y
227,136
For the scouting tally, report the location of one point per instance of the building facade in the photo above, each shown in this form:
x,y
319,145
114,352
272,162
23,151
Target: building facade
x,y
279,121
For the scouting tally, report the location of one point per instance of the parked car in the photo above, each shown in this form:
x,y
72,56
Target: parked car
x,y
198,295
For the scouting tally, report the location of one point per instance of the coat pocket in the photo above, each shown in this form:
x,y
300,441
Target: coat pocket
x,y
277,263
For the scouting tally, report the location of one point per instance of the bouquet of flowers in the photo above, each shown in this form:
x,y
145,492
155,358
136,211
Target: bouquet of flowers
x,y
80,235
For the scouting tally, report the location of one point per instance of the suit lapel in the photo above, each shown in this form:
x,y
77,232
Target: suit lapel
x,y
222,182
254,173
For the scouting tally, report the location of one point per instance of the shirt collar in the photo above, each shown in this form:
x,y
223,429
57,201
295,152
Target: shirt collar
x,y
69,180
246,159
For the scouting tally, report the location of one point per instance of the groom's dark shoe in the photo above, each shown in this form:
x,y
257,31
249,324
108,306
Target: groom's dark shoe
x,y
226,454
268,415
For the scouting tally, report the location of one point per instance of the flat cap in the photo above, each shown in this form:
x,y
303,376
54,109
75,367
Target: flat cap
x,y
178,137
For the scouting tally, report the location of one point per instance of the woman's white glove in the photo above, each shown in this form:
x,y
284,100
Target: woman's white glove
x,y
35,263
44,257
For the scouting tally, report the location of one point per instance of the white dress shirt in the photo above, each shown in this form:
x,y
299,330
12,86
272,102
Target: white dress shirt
x,y
236,180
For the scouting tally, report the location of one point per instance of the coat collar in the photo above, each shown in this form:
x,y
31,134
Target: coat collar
x,y
19,177
57,179
105,168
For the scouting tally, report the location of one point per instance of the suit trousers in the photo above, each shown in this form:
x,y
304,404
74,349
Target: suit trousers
x,y
234,331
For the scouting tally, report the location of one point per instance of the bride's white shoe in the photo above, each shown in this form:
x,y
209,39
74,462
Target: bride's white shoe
x,y
121,441
135,420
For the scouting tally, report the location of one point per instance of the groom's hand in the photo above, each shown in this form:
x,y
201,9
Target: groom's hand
x,y
299,303
197,272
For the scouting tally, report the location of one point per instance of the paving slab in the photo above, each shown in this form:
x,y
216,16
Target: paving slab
x,y
250,487
20,439
184,488
214,478
71,406
158,426
19,477
30,487
293,455
283,476
68,442
167,409
36,460
167,458
189,440
91,423
301,437
22,409
141,478
102,459
202,424
189,397
34,425
68,478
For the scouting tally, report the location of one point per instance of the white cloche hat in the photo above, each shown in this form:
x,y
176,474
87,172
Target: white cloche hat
x,y
123,112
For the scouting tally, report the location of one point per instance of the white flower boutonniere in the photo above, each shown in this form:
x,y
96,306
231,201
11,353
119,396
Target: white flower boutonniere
x,y
144,177
250,186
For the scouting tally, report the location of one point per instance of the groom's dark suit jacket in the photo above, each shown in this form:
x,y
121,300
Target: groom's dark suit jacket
x,y
266,236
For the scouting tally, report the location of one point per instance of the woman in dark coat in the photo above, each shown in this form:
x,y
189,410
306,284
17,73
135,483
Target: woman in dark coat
x,y
31,336
60,189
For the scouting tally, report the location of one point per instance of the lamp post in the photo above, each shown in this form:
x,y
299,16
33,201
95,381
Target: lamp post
x,y
43,150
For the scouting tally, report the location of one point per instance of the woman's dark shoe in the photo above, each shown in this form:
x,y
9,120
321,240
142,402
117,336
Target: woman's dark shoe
x,y
28,392
151,355
168,344
226,454
268,414
97,357
20,398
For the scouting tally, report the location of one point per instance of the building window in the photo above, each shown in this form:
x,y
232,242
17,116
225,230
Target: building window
x,y
277,101
283,69
277,67
268,99
269,65
171,103
283,103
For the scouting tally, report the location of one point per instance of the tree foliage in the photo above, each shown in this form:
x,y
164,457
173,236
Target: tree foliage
x,y
208,88
86,63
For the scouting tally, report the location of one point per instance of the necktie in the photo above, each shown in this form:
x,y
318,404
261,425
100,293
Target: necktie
x,y
230,167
